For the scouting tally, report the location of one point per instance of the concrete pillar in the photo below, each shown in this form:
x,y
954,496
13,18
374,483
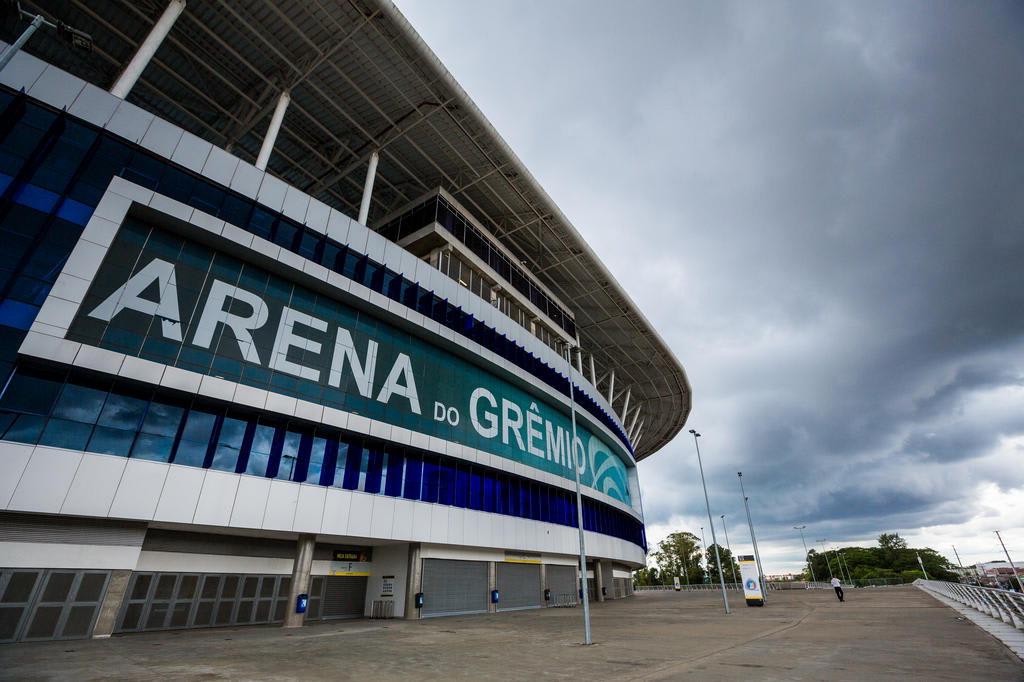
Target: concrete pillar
x,y
598,580
371,174
543,584
415,582
492,584
126,81
111,606
301,569
611,388
267,148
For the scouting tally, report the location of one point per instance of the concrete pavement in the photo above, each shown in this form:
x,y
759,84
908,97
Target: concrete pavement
x,y
878,634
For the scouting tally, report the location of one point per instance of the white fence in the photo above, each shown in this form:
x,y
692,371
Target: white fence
x,y
1004,605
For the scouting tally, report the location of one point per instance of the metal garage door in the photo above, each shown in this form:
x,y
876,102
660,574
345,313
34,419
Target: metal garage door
x,y
519,585
453,587
344,596
563,584
169,601
49,604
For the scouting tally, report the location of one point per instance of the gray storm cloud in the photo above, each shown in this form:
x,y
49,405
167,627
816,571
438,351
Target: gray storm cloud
x,y
819,205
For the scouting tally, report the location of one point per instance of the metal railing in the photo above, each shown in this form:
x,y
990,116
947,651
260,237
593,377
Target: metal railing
x,y
1003,605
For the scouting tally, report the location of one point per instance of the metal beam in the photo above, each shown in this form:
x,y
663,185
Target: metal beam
x,y
126,81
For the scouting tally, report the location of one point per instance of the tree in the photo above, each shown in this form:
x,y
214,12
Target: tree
x,y
679,555
892,560
728,562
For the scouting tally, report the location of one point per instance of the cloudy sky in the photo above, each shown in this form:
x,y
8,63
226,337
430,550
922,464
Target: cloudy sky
x,y
820,206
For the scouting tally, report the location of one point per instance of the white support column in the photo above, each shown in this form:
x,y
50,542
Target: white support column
x,y
371,174
270,139
611,388
632,424
593,372
126,81
579,360
625,405
636,434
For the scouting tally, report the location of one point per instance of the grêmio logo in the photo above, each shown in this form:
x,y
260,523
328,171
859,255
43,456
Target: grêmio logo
x,y
159,274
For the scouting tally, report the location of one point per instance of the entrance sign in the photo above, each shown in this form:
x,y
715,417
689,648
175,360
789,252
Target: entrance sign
x,y
168,299
751,581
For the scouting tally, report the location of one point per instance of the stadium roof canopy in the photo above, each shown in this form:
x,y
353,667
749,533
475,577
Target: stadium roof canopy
x,y
361,79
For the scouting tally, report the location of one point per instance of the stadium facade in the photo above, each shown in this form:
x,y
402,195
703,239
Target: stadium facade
x,y
281,315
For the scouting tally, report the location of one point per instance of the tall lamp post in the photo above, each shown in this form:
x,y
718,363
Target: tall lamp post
x,y
579,504
1012,567
714,540
825,552
753,539
807,555
728,546
704,553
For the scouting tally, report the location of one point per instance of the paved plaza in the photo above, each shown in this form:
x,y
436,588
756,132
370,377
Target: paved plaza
x,y
878,634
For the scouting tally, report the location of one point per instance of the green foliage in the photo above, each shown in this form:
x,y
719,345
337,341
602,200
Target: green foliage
x,y
892,559
679,555
728,561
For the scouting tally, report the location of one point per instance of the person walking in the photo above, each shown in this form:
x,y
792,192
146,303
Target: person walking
x,y
838,587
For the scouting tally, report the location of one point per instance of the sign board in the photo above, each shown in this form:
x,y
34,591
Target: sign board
x,y
751,581
522,558
350,555
174,301
387,586
675,583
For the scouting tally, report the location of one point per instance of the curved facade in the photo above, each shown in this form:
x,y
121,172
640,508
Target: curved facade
x,y
224,396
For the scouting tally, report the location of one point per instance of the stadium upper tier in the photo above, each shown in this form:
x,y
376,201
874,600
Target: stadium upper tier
x,y
361,83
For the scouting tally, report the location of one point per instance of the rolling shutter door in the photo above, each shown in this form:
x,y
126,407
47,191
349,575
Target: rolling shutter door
x,y
344,596
563,584
519,585
454,587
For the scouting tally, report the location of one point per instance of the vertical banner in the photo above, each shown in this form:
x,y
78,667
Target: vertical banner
x,y
751,581
675,583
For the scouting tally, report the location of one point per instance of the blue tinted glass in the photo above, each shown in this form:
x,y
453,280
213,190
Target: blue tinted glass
x,y
487,503
110,441
61,433
446,484
430,479
374,466
26,429
394,474
475,490
317,450
17,314
353,466
80,403
462,486
31,393
229,444
123,412
152,447
259,452
289,455
195,438
413,476
341,462
162,419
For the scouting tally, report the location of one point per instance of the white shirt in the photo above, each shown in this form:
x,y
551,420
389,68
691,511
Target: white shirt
x,y
835,582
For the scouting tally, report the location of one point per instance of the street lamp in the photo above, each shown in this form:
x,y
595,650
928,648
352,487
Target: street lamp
x,y
707,503
704,553
72,36
585,591
807,555
825,552
728,546
753,539
1012,567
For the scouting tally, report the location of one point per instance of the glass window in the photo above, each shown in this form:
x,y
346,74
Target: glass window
x,y
109,441
374,468
393,472
31,392
195,438
259,452
413,477
446,483
289,455
229,444
63,433
341,464
317,451
430,478
123,412
80,403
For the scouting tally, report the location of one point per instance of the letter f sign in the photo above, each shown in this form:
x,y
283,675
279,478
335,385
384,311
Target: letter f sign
x,y
129,296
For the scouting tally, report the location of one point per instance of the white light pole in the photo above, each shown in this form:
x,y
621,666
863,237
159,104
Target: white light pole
x,y
579,507
829,563
728,546
921,564
807,555
714,540
704,554
753,539
1012,567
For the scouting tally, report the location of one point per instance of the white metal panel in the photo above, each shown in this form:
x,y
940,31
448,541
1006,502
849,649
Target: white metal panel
x,y
94,486
180,494
14,458
216,498
309,509
250,502
281,502
139,490
46,480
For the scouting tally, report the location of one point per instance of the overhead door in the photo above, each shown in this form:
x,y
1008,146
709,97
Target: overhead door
x,y
49,604
344,596
519,586
453,587
563,585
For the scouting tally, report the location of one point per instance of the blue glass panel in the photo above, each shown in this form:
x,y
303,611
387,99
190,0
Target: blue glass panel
x,y
446,483
396,461
36,197
475,500
109,441
487,504
26,429
353,466
431,476
290,446
413,477
462,486
62,433
261,449
17,314
374,467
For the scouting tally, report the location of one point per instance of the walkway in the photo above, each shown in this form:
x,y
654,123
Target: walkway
x,y
879,634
